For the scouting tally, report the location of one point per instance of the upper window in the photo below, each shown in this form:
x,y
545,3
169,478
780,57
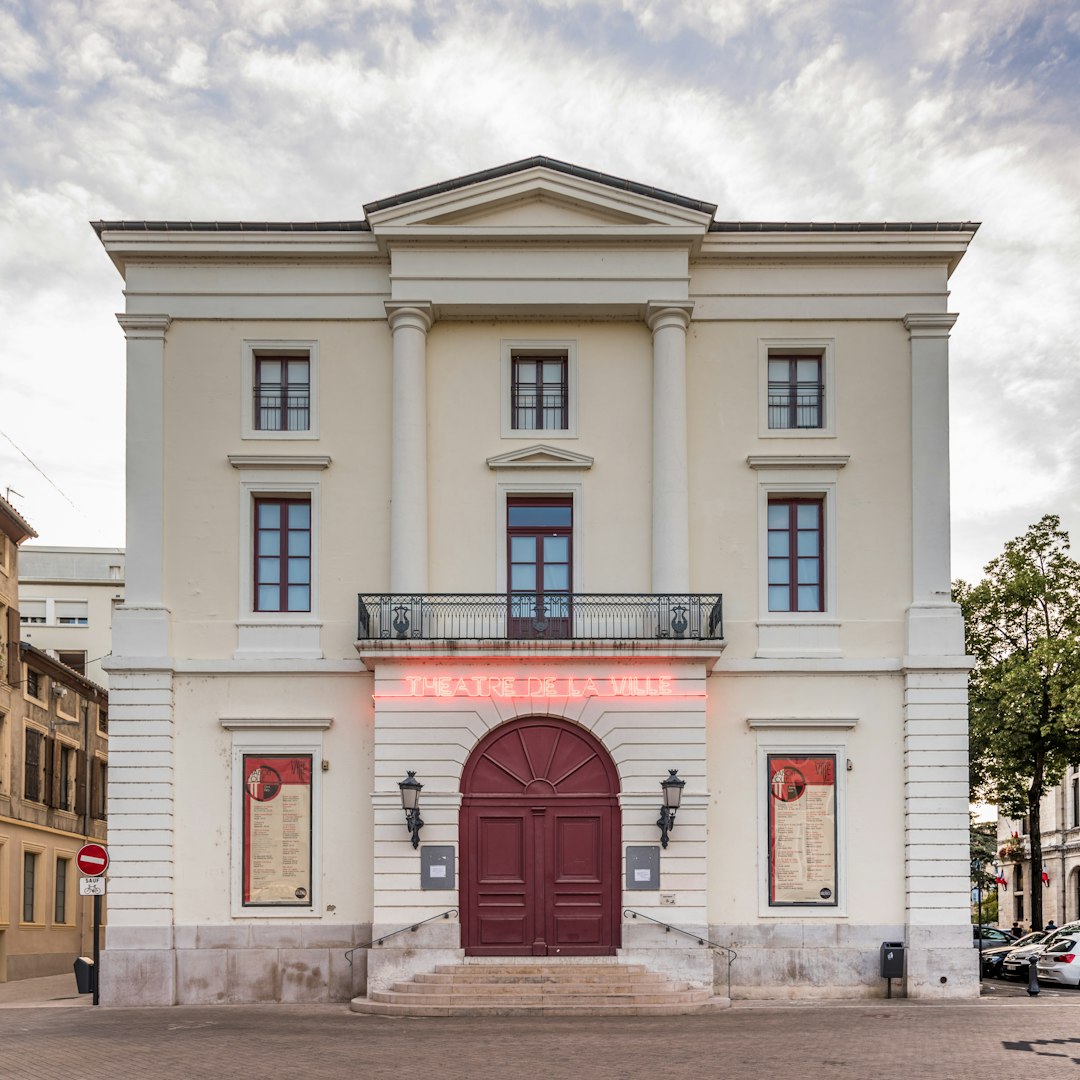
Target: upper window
x,y
34,766
282,393
34,683
282,555
50,612
31,612
796,392
281,390
796,555
539,393
539,396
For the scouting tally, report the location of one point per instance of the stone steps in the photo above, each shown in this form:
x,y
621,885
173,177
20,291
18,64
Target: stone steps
x,y
539,988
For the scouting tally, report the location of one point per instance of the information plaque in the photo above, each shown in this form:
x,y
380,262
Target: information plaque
x,y
277,830
802,830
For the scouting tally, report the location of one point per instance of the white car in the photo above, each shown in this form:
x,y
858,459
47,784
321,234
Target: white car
x,y
1015,965
1060,961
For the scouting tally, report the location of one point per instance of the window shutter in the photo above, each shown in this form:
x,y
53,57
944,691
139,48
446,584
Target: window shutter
x,y
80,781
31,778
49,794
13,651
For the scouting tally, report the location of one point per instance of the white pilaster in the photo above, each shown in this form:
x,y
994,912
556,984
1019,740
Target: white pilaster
x,y
668,322
408,454
934,624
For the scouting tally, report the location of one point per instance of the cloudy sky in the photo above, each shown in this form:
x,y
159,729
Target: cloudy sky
x,y
774,109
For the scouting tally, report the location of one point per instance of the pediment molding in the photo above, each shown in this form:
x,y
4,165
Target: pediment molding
x,y
540,456
538,198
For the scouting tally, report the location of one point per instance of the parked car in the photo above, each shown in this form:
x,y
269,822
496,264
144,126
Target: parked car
x,y
1014,964
1059,961
991,936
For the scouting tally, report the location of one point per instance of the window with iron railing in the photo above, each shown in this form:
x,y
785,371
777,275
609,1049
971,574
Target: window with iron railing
x,y
282,393
539,393
796,392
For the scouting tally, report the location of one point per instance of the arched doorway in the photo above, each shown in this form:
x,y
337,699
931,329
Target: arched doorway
x,y
540,843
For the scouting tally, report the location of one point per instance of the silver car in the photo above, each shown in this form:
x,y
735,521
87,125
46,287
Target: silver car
x,y
1015,964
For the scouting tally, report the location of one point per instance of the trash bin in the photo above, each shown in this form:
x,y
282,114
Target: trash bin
x,y
84,975
892,959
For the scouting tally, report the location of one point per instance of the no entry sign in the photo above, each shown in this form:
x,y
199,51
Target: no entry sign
x,y
92,859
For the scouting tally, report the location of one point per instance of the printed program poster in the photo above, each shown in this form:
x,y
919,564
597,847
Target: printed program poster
x,y
277,829
802,829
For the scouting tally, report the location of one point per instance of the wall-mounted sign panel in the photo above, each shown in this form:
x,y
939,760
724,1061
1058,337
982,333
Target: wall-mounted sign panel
x,y
437,866
802,830
643,867
277,830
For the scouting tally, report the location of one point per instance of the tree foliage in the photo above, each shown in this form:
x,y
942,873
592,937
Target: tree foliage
x,y
1023,629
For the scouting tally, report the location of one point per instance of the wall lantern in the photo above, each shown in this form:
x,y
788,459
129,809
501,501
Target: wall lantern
x,y
410,803
672,797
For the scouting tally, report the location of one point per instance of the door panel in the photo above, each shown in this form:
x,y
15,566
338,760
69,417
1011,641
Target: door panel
x,y
540,848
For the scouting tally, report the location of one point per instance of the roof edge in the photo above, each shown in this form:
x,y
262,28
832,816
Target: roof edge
x,y
537,162
843,226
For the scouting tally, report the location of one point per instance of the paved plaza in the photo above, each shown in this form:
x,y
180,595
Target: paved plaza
x,y
47,1032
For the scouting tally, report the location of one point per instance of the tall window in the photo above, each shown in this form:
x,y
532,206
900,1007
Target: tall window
x,y
796,555
33,683
29,895
282,555
796,392
282,393
34,762
60,893
539,393
1076,802
539,536
67,777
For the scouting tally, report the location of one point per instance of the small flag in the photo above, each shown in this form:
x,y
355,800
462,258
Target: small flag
x,y
1045,876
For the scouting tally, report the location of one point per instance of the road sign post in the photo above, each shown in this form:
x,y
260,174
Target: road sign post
x,y
93,861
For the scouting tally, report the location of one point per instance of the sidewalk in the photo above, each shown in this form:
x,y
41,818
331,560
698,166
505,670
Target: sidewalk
x,y
50,992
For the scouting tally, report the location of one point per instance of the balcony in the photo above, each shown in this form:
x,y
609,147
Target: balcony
x,y
557,618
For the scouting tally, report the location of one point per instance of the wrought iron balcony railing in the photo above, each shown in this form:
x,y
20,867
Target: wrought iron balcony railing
x,y
551,617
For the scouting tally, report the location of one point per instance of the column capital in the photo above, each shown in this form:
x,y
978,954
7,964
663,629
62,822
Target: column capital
x,y
416,314
144,327
936,325
661,314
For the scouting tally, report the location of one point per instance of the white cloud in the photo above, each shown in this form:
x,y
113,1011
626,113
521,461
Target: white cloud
x,y
783,109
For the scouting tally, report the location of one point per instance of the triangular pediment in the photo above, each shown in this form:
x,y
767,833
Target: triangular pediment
x,y
540,457
538,194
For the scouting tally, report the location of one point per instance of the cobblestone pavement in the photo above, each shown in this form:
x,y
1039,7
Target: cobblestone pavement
x,y
1005,1034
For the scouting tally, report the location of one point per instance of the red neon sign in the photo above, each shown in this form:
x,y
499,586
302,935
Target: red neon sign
x,y
536,686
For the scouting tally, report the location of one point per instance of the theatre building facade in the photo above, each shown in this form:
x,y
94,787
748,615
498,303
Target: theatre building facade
x,y
536,570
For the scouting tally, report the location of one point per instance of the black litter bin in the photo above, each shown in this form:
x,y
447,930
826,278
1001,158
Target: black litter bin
x,y
84,975
892,959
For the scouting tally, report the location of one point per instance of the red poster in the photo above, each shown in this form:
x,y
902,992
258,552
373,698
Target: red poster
x,y
277,829
802,829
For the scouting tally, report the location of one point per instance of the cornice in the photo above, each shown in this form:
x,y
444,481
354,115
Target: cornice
x,y
144,327
930,325
280,461
797,461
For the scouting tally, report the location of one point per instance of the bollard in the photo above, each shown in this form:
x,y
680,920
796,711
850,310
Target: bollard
x,y
1033,976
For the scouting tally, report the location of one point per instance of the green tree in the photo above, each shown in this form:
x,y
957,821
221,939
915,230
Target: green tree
x,y
1023,629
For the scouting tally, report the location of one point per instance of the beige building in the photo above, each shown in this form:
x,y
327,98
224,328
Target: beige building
x,y
53,778
537,483
66,600
1058,876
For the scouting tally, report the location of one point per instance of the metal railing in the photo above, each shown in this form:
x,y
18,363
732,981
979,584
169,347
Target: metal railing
x,y
552,617
410,929
796,407
668,929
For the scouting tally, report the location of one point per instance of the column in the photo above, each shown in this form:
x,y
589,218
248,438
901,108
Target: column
x,y
137,964
936,850
934,625
668,322
408,448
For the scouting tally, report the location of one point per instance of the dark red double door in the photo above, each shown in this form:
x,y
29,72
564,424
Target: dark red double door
x,y
540,843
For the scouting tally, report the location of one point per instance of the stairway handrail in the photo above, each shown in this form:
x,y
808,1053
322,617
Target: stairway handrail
x,y
699,938
410,928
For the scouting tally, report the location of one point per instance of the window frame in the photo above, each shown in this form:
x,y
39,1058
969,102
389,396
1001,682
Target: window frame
x,y
778,348
793,557
251,491
525,348
284,737
795,738
269,349
43,778
37,914
66,874
283,556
